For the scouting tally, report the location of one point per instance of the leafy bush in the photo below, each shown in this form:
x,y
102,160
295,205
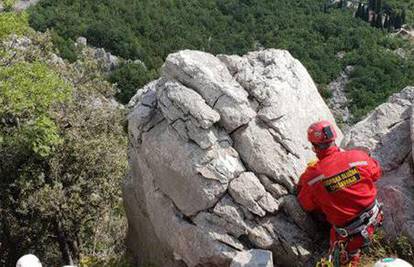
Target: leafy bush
x,y
13,23
8,4
27,122
66,47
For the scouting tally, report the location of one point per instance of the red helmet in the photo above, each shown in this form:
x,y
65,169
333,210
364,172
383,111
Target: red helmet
x,y
321,132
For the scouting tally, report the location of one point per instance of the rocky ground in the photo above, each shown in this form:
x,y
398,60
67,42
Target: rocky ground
x,y
21,4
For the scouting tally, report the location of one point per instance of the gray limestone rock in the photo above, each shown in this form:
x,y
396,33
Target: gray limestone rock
x,y
295,246
248,192
292,208
232,214
209,77
216,147
397,195
386,131
192,117
82,41
338,102
275,143
253,258
275,189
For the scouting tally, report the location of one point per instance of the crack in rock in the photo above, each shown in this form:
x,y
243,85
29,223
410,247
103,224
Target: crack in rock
x,y
222,139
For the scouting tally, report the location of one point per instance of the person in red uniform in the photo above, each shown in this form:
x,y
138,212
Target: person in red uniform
x,y
341,185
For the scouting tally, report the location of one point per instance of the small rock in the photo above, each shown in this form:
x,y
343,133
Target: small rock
x,y
82,41
268,203
247,191
253,258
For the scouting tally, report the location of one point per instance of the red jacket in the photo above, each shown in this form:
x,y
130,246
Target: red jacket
x,y
340,185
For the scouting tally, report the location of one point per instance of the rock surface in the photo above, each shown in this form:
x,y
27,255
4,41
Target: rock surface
x,y
216,147
20,4
388,133
253,258
338,102
106,60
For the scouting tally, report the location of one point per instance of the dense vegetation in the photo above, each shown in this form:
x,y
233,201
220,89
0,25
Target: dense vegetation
x,y
407,5
150,30
12,23
63,155
382,16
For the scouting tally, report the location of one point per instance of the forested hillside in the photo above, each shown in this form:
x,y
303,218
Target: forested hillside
x,y
150,30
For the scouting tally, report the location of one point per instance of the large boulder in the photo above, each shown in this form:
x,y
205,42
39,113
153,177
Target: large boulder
x,y
388,133
216,148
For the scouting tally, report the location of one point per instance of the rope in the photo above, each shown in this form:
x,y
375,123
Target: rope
x,y
334,255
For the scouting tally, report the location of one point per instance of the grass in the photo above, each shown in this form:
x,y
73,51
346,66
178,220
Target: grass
x,y
383,248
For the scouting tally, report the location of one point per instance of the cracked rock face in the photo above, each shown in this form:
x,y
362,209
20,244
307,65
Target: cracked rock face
x,y
338,102
388,133
217,145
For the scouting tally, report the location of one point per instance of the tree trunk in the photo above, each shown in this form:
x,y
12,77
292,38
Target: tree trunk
x,y
63,244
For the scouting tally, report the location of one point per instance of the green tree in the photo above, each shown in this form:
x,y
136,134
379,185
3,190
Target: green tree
x,y
378,6
28,136
129,77
378,22
359,12
366,14
371,4
27,122
62,143
403,16
397,21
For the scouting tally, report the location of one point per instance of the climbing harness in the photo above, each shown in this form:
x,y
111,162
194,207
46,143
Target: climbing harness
x,y
338,254
372,216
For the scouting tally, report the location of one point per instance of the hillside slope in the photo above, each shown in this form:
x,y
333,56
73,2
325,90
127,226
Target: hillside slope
x,y
150,30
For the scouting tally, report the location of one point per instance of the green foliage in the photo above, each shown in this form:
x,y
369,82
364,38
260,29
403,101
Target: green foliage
x,y
66,47
129,77
8,4
150,30
13,23
115,262
63,157
27,93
